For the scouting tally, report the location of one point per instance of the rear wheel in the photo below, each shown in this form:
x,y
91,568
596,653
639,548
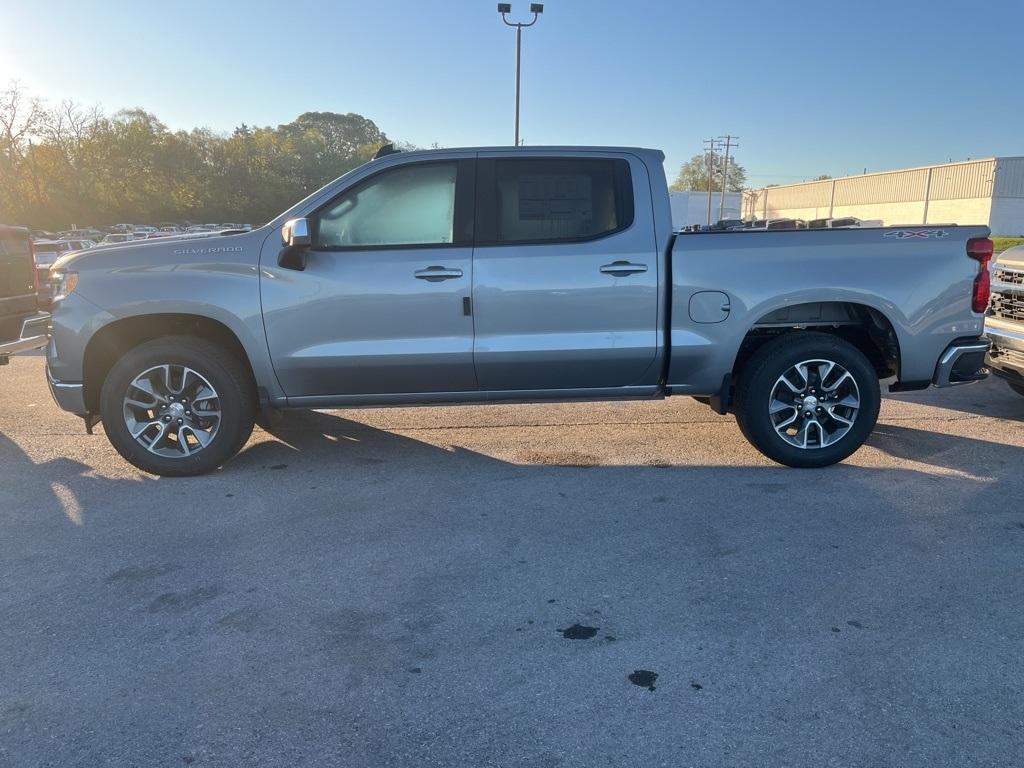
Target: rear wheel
x,y
807,399
178,406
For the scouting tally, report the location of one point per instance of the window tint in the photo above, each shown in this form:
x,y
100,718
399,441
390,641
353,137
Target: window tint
x,y
565,199
411,205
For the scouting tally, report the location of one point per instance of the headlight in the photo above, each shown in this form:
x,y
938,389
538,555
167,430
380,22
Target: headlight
x,y
63,283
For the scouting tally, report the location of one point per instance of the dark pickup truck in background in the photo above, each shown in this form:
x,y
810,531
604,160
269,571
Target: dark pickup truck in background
x,y
22,325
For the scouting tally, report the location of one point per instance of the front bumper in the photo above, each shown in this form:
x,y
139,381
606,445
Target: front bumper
x,y
69,396
1006,357
962,362
34,335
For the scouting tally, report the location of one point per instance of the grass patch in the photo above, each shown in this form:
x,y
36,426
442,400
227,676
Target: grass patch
x,y
1002,243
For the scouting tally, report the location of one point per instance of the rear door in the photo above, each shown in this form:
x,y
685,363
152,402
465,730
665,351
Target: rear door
x,y
565,272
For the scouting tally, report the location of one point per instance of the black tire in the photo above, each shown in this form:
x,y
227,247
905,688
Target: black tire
x,y
1018,388
229,376
762,371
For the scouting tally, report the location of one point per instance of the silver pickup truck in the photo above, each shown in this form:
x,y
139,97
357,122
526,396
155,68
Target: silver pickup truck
x,y
510,274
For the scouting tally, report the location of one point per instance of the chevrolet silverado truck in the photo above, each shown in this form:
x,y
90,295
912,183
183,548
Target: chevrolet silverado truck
x,y
1004,325
22,325
510,274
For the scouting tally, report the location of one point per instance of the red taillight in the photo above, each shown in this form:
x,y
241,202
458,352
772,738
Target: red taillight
x,y
980,249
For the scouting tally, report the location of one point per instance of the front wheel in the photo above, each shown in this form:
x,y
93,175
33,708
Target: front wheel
x,y
178,406
807,399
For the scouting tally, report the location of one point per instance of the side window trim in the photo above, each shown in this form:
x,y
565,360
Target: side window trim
x,y
462,226
487,201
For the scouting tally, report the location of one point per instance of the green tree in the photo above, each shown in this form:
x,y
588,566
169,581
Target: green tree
x,y
73,165
693,174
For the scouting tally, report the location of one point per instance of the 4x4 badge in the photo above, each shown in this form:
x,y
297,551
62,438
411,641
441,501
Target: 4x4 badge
x,y
904,234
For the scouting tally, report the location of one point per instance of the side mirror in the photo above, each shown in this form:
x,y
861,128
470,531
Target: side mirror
x,y
296,239
295,232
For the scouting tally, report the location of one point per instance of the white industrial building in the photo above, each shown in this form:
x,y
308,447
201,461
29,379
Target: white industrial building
x,y
692,207
987,191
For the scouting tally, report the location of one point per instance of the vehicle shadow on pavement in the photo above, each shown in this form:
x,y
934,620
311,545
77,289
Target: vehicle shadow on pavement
x,y
386,598
992,398
967,455
70,485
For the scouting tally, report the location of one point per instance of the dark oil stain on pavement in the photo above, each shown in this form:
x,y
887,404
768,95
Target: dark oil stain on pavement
x,y
179,602
644,678
579,632
136,573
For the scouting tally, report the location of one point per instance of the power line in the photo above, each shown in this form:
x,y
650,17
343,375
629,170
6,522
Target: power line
x,y
725,172
710,145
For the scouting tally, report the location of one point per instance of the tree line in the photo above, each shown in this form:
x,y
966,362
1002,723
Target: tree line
x,y
73,165
693,175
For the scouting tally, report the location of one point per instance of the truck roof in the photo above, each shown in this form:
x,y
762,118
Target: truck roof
x,y
641,151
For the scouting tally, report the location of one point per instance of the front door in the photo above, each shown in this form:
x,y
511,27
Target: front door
x,y
381,305
565,276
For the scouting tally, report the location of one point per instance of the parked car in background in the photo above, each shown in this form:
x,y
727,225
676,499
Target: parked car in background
x,y
94,235
726,225
786,224
509,274
844,222
1004,324
22,324
116,238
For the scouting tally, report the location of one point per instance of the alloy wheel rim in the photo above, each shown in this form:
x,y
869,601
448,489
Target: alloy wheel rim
x,y
814,404
172,411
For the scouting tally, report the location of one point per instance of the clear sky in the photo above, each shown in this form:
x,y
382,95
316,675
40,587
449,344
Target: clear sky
x,y
810,87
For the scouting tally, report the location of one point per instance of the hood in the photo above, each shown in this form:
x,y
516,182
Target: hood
x,y
143,249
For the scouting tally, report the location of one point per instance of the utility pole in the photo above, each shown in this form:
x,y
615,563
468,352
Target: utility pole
x,y
710,145
506,8
725,172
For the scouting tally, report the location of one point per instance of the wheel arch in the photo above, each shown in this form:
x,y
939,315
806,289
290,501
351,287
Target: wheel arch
x,y
114,339
867,327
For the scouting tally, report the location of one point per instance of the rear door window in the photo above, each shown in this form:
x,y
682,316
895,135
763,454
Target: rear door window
x,y
553,200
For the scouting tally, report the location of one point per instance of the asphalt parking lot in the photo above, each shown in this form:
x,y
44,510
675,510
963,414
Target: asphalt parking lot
x,y
475,586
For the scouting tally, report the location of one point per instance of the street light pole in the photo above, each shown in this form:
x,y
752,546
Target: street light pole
x,y
504,9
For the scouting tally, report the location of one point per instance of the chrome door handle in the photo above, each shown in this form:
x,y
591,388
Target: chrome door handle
x,y
436,274
622,268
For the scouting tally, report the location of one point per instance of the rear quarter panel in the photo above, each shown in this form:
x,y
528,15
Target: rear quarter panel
x,y
921,285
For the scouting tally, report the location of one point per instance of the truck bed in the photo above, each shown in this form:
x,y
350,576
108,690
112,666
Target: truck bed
x,y
724,284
